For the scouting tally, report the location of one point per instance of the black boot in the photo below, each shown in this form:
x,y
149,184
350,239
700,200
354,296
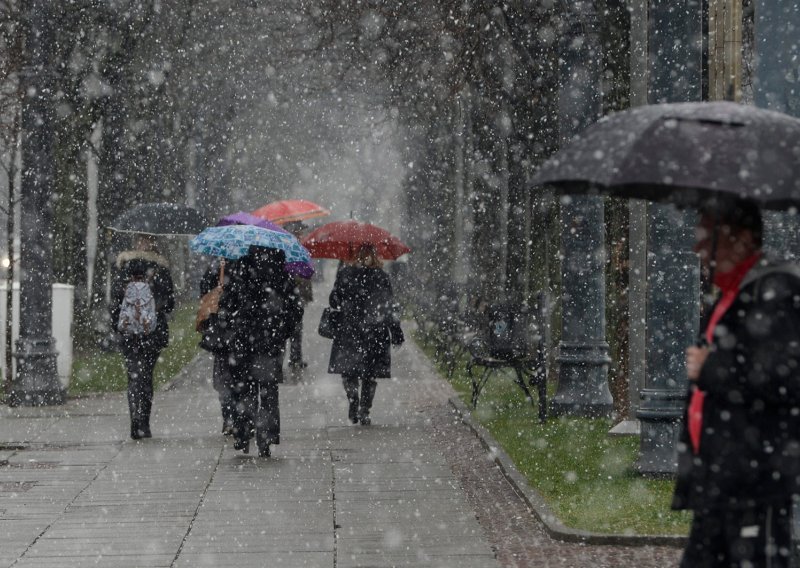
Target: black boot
x,y
368,387
351,390
144,424
136,430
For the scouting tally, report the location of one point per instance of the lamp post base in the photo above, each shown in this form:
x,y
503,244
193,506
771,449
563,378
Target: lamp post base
x,y
660,417
36,383
583,381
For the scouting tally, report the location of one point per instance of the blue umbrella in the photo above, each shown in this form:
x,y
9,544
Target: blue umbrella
x,y
234,241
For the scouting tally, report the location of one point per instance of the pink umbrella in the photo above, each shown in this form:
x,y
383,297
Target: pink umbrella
x,y
290,210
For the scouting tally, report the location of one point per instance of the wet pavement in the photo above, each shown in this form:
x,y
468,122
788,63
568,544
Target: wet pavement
x,y
416,488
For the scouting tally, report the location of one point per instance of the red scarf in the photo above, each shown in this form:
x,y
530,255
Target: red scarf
x,y
728,283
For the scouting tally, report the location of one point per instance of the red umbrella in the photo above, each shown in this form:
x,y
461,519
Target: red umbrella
x,y
289,210
341,240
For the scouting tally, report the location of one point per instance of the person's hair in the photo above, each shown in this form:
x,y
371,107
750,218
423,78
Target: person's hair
x,y
367,256
136,269
742,214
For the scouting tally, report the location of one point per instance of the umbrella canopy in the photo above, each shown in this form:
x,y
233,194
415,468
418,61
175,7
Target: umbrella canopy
x,y
289,210
244,218
341,240
234,242
301,269
160,219
683,153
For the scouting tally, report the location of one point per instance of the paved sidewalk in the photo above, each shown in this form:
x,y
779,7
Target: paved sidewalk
x,y
76,491
416,488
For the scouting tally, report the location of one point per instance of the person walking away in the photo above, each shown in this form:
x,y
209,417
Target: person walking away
x,y
360,352
306,293
263,307
141,354
739,452
221,374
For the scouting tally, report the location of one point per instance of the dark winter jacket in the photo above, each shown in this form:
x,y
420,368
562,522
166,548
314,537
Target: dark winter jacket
x,y
160,280
750,441
362,345
261,303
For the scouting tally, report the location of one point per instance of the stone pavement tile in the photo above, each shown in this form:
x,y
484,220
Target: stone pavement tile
x,y
255,539
134,544
105,561
413,559
257,560
272,522
398,537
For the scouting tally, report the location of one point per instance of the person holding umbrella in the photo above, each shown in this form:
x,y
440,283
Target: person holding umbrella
x,y
141,356
263,308
361,348
739,455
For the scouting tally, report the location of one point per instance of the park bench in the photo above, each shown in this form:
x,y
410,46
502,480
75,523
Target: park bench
x,y
510,339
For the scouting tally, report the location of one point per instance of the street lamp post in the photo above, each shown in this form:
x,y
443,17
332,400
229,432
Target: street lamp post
x,y
672,270
583,352
36,381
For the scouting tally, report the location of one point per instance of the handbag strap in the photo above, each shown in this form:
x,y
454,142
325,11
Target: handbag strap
x,y
221,279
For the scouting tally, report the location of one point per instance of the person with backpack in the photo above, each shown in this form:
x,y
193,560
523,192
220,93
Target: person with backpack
x,y
263,308
368,327
142,296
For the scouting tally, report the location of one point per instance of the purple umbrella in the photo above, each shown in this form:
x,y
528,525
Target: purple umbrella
x,y
301,269
243,218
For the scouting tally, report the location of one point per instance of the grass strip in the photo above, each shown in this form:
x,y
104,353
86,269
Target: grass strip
x,y
105,372
586,476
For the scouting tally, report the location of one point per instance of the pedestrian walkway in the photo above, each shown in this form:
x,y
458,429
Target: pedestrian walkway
x,y
416,488
76,491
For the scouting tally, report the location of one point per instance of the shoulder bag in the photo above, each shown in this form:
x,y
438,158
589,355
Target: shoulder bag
x,y
329,323
209,302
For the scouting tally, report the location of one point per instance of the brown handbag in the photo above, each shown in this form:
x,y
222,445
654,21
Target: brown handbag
x,y
209,302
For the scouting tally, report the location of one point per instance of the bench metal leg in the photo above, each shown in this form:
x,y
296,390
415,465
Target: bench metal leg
x,y
520,380
538,379
477,386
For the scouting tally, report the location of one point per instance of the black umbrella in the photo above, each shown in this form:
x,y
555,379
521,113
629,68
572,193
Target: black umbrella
x,y
160,219
684,153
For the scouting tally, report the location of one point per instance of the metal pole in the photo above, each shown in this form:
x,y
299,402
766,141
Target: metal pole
x,y
583,352
775,85
37,381
673,275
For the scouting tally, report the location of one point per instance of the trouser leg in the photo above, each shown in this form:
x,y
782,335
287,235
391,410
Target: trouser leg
x,y
761,536
351,390
758,536
368,387
296,345
139,365
148,367
706,546
244,392
222,384
268,422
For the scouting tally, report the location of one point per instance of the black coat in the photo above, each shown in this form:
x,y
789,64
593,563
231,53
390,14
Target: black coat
x,y
160,281
262,305
750,441
362,344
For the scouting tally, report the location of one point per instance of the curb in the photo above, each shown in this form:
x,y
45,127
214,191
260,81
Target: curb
x,y
554,528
